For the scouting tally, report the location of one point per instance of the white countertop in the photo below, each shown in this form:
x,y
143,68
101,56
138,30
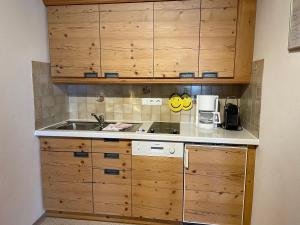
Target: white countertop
x,y
188,133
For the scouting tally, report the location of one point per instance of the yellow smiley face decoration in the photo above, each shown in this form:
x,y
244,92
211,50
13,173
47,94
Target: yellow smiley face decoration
x,y
178,103
175,103
187,102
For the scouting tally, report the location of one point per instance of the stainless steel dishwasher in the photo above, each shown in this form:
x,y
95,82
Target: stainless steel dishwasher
x,y
157,180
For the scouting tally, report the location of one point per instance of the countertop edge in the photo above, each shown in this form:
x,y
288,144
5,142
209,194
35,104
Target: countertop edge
x,y
149,137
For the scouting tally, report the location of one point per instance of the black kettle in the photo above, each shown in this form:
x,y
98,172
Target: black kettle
x,y
232,115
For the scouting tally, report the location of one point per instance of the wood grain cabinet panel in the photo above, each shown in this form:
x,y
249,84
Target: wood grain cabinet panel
x,y
127,39
208,4
112,146
157,187
65,144
214,185
176,38
66,177
112,177
74,40
218,39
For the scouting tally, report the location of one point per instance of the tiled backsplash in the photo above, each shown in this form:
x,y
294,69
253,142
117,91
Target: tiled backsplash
x,y
129,109
55,103
50,101
251,99
124,102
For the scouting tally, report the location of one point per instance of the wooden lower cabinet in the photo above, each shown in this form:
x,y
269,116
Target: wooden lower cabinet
x,y
112,177
66,176
215,184
157,187
101,177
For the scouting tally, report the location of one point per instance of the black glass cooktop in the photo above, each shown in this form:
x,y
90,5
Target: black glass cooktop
x,y
164,128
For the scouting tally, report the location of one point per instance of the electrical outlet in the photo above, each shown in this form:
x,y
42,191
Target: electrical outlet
x,y
152,101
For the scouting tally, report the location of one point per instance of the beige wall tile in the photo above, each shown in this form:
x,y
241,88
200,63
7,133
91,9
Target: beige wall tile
x,y
127,116
118,116
146,109
166,117
118,108
146,117
155,117
127,108
136,108
109,116
91,108
136,117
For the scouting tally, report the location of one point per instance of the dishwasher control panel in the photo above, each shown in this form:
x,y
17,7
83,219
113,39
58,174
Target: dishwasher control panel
x,y
162,149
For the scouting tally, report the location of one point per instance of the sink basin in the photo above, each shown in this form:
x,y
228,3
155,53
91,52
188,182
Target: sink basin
x,y
89,126
72,125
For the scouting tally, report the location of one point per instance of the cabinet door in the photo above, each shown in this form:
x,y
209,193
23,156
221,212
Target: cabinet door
x,y
127,39
214,185
176,38
218,37
112,177
157,187
67,180
74,40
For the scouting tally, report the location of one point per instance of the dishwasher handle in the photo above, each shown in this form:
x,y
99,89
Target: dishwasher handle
x,y
186,158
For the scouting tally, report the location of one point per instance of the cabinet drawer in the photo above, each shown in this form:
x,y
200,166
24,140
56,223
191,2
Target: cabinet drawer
x,y
65,167
208,4
112,199
68,196
65,144
111,160
112,146
112,176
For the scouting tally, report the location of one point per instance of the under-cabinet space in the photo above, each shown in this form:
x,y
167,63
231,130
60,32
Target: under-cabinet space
x,y
218,39
176,38
215,184
127,40
74,40
66,179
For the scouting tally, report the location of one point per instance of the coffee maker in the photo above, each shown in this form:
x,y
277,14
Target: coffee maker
x,y
207,114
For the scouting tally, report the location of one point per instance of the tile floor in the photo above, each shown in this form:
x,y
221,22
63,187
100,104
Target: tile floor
x,y
59,221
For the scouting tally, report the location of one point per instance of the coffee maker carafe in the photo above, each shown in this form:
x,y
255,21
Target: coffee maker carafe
x,y
207,114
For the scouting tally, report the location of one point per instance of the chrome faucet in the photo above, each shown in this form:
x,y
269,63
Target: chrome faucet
x,y
99,118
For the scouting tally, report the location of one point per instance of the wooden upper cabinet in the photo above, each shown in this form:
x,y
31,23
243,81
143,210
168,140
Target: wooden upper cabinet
x,y
176,38
127,39
74,40
215,185
218,37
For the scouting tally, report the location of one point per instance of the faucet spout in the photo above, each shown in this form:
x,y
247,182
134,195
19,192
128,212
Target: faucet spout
x,y
99,118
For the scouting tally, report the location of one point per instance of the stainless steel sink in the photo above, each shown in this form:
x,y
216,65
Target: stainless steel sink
x,y
89,126
75,125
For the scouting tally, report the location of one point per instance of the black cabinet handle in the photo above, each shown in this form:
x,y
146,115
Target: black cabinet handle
x,y
112,172
111,140
187,75
111,75
111,155
81,154
91,75
210,75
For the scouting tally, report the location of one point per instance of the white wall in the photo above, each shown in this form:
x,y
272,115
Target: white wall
x,y
23,38
277,178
